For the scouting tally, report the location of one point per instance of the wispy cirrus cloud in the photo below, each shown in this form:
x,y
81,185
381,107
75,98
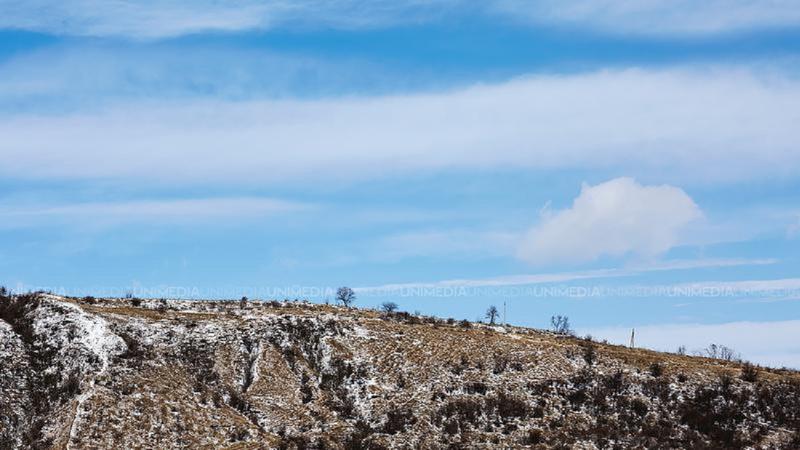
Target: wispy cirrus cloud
x,y
565,277
154,212
154,19
157,19
695,125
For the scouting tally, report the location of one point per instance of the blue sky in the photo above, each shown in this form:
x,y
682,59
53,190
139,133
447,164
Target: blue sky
x,y
628,164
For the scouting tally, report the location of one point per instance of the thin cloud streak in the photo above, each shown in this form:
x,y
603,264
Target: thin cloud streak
x,y
531,279
153,212
150,19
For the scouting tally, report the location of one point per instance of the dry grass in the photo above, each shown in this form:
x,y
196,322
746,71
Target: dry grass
x,y
216,375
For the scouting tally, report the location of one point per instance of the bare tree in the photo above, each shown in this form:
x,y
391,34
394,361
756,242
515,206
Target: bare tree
x,y
345,296
492,314
722,352
389,307
560,324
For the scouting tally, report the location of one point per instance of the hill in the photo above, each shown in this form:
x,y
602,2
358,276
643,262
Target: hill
x,y
130,373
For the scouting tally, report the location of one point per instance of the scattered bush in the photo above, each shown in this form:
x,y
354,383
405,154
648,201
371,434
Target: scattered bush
x,y
749,373
507,406
360,438
500,363
464,411
712,412
476,387
534,437
656,369
639,407
614,383
398,420
589,352
463,365
406,317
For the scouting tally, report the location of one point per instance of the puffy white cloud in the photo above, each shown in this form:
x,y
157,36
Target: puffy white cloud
x,y
615,218
683,125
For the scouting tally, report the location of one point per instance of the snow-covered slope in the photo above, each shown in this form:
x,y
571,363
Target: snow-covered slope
x,y
173,374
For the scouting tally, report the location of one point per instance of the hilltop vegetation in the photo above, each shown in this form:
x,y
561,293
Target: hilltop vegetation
x,y
130,373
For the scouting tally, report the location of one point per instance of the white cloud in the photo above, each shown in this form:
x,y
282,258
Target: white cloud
x,y
153,19
615,218
191,211
683,125
770,343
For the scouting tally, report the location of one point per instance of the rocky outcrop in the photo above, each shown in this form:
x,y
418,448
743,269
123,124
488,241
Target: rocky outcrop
x,y
113,373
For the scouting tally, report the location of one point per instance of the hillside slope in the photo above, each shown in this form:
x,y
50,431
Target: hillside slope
x,y
156,374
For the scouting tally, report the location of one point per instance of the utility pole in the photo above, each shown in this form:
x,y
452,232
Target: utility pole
x,y
633,337
504,313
